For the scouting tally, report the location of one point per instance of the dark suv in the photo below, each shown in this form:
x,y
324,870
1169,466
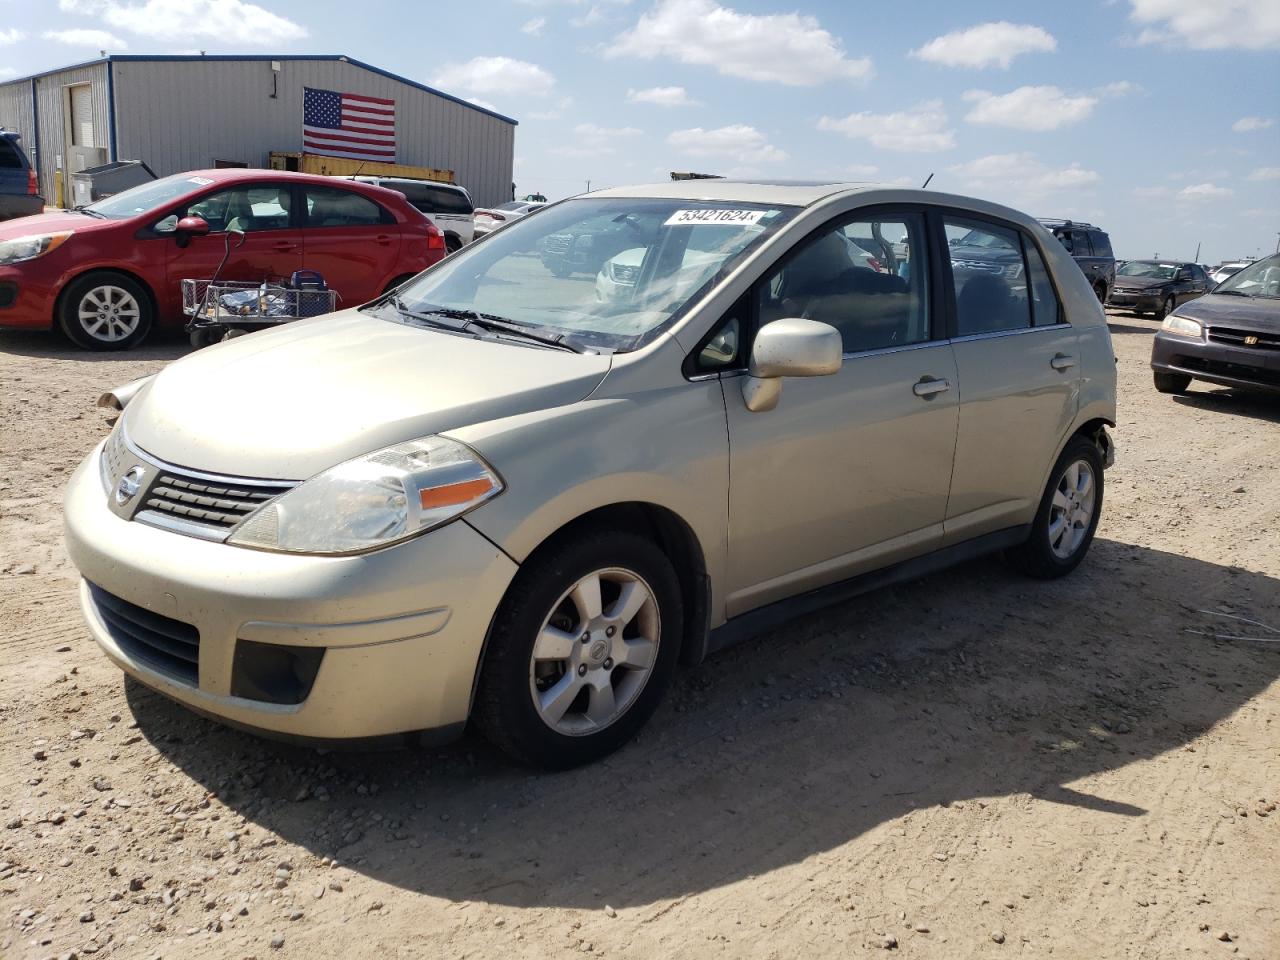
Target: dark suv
x,y
1090,247
19,195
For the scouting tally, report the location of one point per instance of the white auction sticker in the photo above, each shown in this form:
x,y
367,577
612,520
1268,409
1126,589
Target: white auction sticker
x,y
202,181
732,218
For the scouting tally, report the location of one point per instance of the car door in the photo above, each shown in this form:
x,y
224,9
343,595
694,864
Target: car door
x,y
351,241
850,471
271,248
1019,372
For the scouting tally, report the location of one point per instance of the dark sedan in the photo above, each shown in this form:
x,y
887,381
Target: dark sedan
x,y
1157,286
1230,337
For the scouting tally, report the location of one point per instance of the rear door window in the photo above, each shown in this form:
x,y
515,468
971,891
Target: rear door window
x,y
988,275
329,207
1080,243
415,193
1101,244
448,201
1045,309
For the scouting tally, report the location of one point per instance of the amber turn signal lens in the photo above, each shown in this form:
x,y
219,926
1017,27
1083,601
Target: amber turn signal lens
x,y
452,494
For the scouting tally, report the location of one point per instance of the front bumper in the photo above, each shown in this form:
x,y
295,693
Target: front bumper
x,y
26,299
1135,300
402,629
1245,367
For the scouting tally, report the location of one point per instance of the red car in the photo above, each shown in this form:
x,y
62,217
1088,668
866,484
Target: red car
x,y
106,273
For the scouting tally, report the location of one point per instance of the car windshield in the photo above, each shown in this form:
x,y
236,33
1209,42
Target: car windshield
x,y
1261,279
601,274
977,238
1149,270
147,197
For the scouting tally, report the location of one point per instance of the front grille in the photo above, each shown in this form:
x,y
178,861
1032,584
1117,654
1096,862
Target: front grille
x,y
215,503
1236,338
625,274
557,243
167,646
1237,371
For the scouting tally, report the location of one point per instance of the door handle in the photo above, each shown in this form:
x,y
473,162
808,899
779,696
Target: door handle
x,y
284,246
928,387
382,240
1062,361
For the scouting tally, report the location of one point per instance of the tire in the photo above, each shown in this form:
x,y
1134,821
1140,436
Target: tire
x,y
1100,290
105,311
560,270
398,281
1046,554
536,647
452,243
1166,308
1171,382
202,337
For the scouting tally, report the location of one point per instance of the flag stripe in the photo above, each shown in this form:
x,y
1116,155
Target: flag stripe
x,y
358,96
331,151
356,108
342,138
349,124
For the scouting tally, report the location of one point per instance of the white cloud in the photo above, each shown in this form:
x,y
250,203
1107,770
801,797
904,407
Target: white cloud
x,y
737,142
230,21
99,39
986,45
922,130
1265,173
1028,108
1215,25
10,36
534,27
787,48
1022,174
1250,124
496,75
1119,88
1205,191
594,141
662,97
591,17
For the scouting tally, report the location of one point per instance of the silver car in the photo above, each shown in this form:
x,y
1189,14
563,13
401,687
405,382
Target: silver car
x,y
492,496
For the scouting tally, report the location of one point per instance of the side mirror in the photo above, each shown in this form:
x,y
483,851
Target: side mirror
x,y
792,347
189,227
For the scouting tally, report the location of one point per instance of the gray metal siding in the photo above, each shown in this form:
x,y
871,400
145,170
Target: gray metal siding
x,y
184,115
51,100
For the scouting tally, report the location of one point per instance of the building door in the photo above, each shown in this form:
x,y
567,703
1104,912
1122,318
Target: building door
x,y
80,98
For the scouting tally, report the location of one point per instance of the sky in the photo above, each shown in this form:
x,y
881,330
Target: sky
x,y
1158,120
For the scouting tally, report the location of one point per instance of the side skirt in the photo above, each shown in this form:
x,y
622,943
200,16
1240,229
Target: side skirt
x,y
766,618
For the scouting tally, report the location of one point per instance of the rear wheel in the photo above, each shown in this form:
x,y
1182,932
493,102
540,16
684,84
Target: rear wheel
x,y
1065,523
1100,289
452,243
581,650
397,282
105,311
1171,382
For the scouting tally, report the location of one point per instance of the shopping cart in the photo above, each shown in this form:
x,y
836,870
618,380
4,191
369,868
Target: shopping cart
x,y
221,309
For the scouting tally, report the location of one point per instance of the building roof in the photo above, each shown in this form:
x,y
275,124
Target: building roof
x,y
166,58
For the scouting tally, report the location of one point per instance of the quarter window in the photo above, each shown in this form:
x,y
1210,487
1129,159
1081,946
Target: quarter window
x,y
1101,244
328,207
868,279
1044,300
989,277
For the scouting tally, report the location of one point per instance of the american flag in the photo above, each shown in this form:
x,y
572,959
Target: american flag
x,y
348,125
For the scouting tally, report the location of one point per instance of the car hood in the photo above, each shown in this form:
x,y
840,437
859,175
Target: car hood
x,y
1244,313
39,223
1140,283
287,403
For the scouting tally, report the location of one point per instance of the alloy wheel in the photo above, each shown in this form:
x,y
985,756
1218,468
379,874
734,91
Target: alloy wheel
x,y
1071,512
109,313
595,651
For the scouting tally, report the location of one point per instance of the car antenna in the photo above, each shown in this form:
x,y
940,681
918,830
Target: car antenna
x,y
926,181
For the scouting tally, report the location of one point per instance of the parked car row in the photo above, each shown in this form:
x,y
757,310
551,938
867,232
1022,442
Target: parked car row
x,y
1158,286
19,191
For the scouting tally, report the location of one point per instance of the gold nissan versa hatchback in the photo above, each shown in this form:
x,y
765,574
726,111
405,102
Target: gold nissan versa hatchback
x,y
511,493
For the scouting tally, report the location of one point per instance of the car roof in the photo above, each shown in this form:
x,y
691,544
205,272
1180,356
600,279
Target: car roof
x,y
376,179
232,175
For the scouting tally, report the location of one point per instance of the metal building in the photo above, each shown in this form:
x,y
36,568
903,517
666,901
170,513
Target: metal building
x,y
181,113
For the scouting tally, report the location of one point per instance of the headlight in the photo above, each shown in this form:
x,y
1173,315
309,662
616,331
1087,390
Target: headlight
x,y
28,248
1183,326
113,454
375,500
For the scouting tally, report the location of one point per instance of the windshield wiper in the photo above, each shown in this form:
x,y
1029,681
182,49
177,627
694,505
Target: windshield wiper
x,y
496,324
91,213
1231,293
424,317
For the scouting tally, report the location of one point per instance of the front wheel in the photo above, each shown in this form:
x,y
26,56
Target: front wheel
x,y
1166,308
105,311
1171,382
581,650
1067,519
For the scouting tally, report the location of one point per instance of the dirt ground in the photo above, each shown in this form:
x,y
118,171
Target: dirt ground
x,y
972,765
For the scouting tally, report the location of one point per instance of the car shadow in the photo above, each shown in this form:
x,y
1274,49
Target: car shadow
x,y
1130,328
971,684
50,344
1240,403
